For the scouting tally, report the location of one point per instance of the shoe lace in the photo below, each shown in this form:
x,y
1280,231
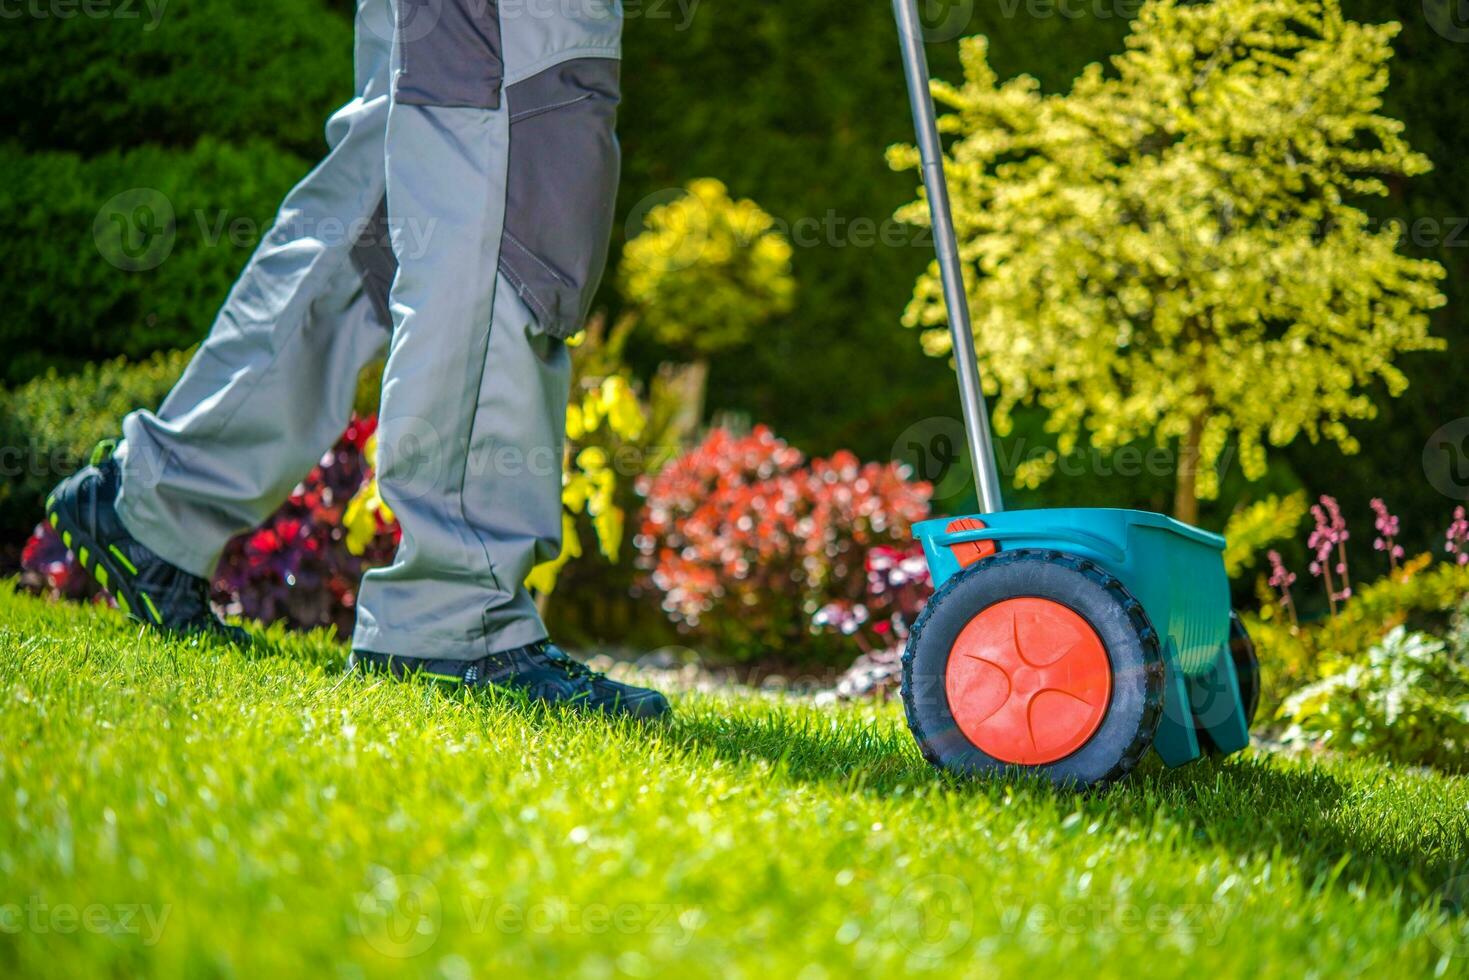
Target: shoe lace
x,y
569,666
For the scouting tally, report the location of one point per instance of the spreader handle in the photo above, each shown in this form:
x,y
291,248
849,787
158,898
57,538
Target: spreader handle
x,y
971,395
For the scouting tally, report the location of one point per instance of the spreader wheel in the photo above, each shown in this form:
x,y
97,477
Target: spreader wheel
x,y
1037,660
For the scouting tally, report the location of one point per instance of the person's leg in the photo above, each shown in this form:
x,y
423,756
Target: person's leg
x,y
471,467
272,386
501,144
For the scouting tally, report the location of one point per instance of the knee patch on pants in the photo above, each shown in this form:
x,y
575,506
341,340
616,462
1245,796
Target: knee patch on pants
x,y
562,188
450,53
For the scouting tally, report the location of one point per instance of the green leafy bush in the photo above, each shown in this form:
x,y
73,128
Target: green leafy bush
x,y
49,426
1250,528
1407,700
1096,244
91,265
1420,597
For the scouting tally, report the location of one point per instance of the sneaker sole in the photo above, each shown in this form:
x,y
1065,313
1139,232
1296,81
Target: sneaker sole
x,y
108,567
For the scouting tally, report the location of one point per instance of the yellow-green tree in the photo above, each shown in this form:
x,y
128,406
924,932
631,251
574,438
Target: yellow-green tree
x,y
706,270
1171,248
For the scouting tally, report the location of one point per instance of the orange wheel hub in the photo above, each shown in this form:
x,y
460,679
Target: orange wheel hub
x,y
1028,681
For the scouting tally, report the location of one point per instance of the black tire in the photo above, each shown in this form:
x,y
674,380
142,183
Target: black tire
x,y
1246,665
1247,668
1135,705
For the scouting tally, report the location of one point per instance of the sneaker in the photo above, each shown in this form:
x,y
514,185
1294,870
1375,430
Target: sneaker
x,y
149,589
540,670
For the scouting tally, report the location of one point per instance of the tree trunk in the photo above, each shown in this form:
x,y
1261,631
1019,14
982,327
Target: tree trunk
x,y
1186,494
692,382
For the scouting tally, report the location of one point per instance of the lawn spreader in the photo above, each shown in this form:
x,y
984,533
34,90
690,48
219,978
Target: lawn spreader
x,y
1062,642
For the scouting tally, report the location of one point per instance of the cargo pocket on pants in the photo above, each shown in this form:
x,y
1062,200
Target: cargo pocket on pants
x,y
450,53
561,189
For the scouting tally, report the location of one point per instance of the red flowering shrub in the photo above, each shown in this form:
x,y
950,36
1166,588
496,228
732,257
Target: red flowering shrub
x,y
47,566
898,586
757,551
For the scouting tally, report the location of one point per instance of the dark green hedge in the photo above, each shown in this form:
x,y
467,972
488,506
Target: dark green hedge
x,y
71,296
266,69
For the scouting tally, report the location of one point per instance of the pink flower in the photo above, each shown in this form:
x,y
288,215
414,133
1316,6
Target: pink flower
x,y
1330,533
1387,533
1457,537
1280,576
1281,579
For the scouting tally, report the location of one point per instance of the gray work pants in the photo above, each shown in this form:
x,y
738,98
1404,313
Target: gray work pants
x,y
460,219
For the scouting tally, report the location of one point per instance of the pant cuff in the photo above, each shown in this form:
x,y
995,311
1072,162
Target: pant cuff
x,y
144,517
438,646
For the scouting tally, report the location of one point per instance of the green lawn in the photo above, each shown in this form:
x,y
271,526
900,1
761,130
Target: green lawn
x,y
172,810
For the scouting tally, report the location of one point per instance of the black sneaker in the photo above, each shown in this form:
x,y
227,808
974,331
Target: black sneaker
x,y
541,670
148,588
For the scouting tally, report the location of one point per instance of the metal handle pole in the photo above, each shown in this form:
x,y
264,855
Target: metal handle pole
x,y
971,396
